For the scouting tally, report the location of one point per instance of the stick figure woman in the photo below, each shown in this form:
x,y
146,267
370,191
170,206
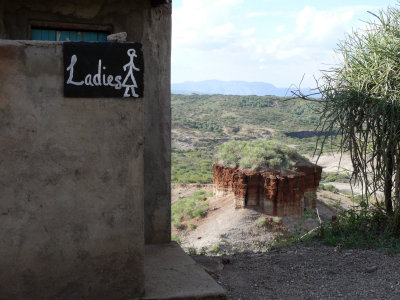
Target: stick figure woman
x,y
129,82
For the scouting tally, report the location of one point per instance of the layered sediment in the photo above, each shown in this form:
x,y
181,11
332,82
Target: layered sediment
x,y
278,193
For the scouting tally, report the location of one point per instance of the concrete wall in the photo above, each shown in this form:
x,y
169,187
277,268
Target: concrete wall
x,y
151,27
157,119
71,178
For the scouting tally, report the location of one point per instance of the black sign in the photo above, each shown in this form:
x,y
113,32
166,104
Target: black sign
x,y
103,70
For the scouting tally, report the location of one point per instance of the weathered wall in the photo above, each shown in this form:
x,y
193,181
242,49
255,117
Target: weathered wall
x,y
151,27
277,193
157,120
71,177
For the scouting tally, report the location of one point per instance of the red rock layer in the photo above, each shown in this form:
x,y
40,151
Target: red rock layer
x,y
278,194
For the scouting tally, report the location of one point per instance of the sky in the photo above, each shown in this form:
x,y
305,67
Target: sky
x,y
274,41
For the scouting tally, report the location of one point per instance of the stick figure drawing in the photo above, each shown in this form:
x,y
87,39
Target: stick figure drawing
x,y
129,82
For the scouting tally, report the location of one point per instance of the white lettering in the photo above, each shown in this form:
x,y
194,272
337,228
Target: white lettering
x,y
110,80
118,81
99,79
71,71
88,80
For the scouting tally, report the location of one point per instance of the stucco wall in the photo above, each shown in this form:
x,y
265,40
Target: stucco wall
x,y
151,27
71,177
157,119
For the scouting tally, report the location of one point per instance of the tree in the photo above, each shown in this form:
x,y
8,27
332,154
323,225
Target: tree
x,y
360,99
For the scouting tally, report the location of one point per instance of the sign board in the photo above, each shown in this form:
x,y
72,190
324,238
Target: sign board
x,y
93,70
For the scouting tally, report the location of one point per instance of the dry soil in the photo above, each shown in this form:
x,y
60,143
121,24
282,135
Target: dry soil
x,y
248,270
307,272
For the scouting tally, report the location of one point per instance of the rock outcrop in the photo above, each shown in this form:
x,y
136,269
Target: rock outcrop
x,y
277,193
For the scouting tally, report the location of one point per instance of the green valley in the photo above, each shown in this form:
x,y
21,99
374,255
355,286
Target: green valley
x,y
200,123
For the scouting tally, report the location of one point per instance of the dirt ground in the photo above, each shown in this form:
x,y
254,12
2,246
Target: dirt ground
x,y
330,162
227,230
307,272
248,270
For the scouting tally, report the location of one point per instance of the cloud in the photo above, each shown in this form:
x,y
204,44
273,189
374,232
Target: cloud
x,y
205,24
271,13
315,34
256,14
280,28
317,24
212,40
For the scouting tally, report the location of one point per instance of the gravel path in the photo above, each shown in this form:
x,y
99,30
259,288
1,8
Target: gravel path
x,y
307,272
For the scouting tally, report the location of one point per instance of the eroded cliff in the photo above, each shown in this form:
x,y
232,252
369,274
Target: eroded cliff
x,y
278,193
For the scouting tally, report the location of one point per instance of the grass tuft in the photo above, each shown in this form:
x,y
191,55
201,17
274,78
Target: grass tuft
x,y
261,222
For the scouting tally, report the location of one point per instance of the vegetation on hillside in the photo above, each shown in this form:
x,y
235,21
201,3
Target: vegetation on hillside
x,y
187,209
219,118
192,166
213,113
258,155
335,177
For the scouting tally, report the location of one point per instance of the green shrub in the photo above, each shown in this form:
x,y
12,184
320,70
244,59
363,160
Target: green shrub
x,y
189,208
261,222
192,226
191,166
328,187
365,228
214,249
335,177
178,225
203,251
276,219
200,194
310,214
258,155
192,251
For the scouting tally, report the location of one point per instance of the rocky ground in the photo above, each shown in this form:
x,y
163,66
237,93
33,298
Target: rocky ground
x,y
244,263
307,272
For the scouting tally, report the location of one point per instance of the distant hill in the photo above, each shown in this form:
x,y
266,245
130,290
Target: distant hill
x,y
232,88
202,122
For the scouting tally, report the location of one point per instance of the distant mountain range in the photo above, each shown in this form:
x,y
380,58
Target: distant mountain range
x,y
232,88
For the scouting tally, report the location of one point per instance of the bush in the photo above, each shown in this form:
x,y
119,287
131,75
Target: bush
x,y
261,222
335,177
189,208
214,249
192,251
258,155
328,187
360,99
277,219
191,167
365,228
